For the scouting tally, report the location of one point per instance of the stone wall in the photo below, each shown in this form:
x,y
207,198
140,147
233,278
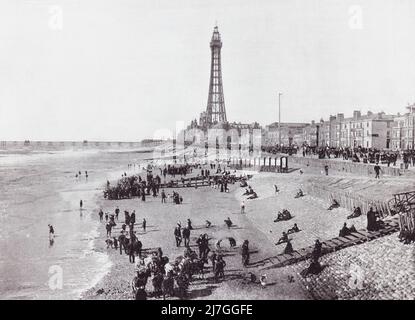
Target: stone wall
x,y
344,166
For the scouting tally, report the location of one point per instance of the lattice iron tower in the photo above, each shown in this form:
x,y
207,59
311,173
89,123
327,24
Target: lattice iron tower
x,y
215,111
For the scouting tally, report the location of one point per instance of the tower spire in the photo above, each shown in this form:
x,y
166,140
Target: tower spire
x,y
215,110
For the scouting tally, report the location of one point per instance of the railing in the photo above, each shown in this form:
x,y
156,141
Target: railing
x,y
405,206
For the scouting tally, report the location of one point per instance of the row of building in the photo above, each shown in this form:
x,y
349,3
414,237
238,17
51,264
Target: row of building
x,y
371,130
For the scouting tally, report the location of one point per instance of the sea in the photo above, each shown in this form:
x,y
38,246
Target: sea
x,y
38,186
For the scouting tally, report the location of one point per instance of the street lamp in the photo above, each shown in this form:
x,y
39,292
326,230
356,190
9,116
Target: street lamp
x,y
279,118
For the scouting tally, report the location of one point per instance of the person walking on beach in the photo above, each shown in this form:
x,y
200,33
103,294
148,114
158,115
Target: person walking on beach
x,y
326,169
101,214
276,189
220,268
163,196
81,204
178,235
228,223
186,236
189,224
243,207
377,171
108,227
51,235
245,253
144,224
51,230
117,212
106,216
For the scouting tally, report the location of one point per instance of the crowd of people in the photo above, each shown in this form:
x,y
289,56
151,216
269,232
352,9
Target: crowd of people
x,y
357,154
136,186
364,155
169,278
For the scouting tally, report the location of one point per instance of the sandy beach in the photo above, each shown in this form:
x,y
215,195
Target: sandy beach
x,y
256,225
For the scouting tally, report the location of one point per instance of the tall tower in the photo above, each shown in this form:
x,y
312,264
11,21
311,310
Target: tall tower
x,y
215,111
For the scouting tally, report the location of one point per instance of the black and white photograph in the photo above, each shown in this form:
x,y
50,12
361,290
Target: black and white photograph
x,y
206,150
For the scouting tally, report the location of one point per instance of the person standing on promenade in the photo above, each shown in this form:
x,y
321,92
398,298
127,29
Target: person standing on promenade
x,y
144,224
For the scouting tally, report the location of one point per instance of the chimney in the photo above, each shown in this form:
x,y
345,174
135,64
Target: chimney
x,y
313,122
369,113
340,116
356,114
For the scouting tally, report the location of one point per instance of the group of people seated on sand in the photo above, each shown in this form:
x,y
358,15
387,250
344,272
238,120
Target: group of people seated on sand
x,y
243,183
299,194
357,212
284,215
228,223
285,239
334,204
345,231
250,193
177,198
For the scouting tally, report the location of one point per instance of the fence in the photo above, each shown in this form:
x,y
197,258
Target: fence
x,y
407,221
348,199
263,164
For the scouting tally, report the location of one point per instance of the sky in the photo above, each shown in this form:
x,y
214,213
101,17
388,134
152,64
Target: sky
x,y
125,70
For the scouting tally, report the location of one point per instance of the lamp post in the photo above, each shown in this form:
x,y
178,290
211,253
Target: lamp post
x,y
279,118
